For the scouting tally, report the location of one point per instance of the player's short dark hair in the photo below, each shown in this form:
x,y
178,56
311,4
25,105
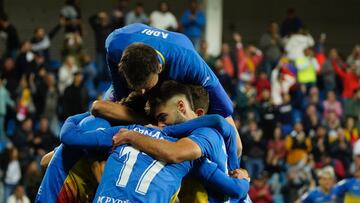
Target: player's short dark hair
x,y
165,92
137,63
200,97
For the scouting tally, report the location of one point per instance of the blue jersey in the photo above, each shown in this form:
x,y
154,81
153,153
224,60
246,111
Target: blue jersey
x,y
134,176
317,196
349,190
68,177
180,60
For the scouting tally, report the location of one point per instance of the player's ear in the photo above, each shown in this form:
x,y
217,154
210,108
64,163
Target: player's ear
x,y
181,106
200,112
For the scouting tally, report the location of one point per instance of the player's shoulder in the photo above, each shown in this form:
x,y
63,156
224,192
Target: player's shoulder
x,y
208,133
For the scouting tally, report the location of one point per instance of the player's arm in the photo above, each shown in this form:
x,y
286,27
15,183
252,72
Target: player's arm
x,y
72,134
170,152
342,187
211,121
116,112
220,103
214,177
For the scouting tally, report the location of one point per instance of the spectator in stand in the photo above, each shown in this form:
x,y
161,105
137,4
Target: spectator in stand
x,y
325,191
21,140
66,73
4,102
13,173
255,155
352,107
284,111
267,114
307,67
9,33
40,91
260,190
163,18
75,97
73,45
282,79
228,60
298,145
118,14
354,58
270,44
331,104
341,149
193,22
71,14
328,72
137,15
41,41
32,179
44,140
12,76
102,27
296,44
328,160
320,143
224,78
313,98
248,58
291,24
332,123
25,61
351,132
349,78
208,58
51,103
18,196
311,120
90,73
25,104
276,152
262,83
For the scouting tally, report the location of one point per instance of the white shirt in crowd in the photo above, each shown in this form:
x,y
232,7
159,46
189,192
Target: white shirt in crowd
x,y
66,77
12,199
163,20
13,173
296,44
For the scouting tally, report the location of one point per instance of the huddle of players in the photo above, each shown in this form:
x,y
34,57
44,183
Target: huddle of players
x,y
147,164
132,176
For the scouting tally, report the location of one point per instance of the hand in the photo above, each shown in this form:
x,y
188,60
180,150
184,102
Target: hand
x,y
240,174
122,137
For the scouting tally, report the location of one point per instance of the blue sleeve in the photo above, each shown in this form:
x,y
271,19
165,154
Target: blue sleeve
x,y
342,187
306,198
205,139
211,121
72,134
233,187
220,103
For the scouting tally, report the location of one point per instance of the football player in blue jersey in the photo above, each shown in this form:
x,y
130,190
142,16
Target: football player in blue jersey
x,y
142,57
325,193
348,189
133,176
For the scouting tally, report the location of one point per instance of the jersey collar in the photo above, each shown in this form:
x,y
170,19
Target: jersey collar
x,y
161,58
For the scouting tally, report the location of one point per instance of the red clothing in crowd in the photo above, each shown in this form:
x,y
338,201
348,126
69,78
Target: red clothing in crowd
x,y
339,168
260,195
261,84
350,81
247,64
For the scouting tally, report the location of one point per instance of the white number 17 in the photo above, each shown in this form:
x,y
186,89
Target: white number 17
x,y
147,176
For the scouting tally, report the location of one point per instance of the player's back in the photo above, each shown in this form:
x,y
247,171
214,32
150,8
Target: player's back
x,y
133,176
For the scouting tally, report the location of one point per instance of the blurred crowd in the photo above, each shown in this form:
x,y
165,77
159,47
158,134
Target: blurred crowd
x,y
296,101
